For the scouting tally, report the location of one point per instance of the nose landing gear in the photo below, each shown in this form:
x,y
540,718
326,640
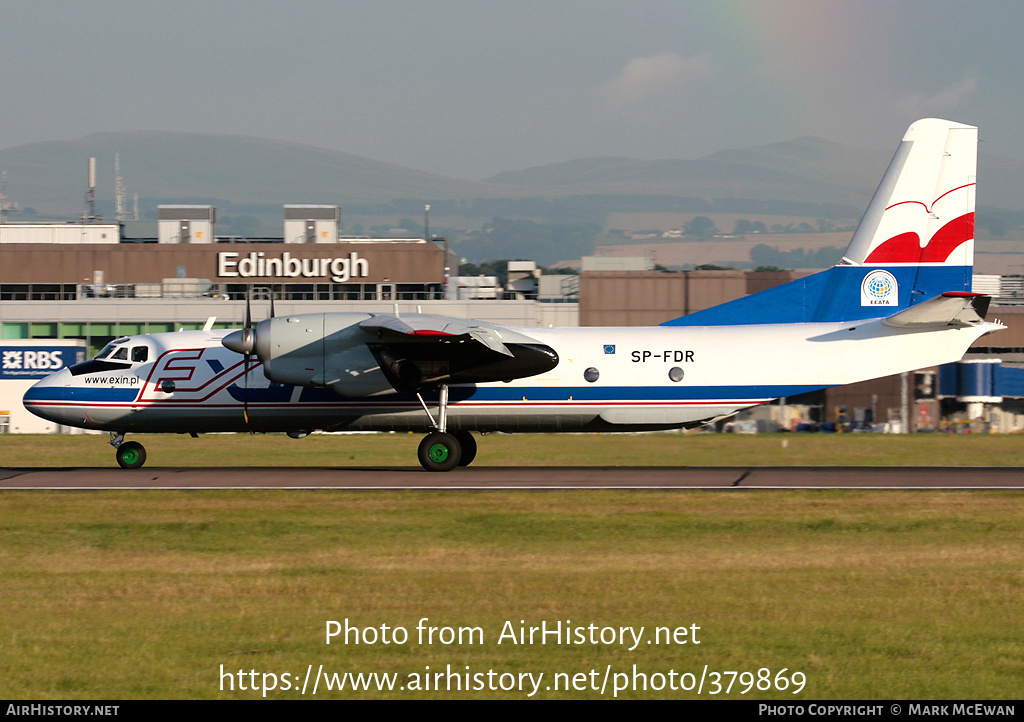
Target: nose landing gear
x,y
440,450
129,454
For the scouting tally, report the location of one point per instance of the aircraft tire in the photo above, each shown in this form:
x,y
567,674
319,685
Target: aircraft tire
x,y
468,444
439,451
131,455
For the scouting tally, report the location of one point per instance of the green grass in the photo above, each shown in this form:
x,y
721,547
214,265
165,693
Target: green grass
x,y
671,449
872,595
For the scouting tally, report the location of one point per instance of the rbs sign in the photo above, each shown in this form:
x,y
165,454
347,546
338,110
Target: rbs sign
x,y
29,362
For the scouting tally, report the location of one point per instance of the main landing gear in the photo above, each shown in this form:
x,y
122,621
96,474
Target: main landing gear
x,y
441,450
129,454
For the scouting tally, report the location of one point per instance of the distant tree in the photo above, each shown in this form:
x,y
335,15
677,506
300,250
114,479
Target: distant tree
x,y
769,269
743,226
414,227
701,226
487,268
764,255
712,267
545,243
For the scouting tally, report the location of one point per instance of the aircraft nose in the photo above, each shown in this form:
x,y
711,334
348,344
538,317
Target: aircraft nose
x,y
42,396
58,379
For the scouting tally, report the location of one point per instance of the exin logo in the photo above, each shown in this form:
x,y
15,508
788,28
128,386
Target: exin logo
x,y
879,289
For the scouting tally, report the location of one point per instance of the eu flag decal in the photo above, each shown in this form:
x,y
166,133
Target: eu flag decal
x,y
609,348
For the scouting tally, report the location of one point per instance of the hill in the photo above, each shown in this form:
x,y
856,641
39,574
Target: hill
x,y
165,167
806,176
805,170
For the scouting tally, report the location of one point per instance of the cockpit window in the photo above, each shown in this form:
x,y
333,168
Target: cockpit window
x,y
105,351
121,354
139,354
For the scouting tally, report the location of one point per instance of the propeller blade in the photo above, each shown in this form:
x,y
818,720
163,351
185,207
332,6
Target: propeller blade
x,y
248,309
247,335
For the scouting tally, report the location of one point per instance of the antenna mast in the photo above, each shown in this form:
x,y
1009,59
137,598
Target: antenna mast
x,y
119,200
5,205
121,195
90,195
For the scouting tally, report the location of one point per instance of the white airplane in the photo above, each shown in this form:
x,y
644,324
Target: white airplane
x,y
899,300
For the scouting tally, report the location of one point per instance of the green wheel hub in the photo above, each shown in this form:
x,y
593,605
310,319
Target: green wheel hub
x,y
438,453
131,455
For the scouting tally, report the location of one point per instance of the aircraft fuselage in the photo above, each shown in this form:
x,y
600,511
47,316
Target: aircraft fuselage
x,y
605,378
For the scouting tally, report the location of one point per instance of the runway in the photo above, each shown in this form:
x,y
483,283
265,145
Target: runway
x,y
520,478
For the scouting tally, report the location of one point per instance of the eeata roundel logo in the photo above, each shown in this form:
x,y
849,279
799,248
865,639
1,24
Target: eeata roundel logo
x,y
879,289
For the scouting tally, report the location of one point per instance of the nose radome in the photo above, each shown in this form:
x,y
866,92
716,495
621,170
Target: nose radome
x,y
51,388
58,379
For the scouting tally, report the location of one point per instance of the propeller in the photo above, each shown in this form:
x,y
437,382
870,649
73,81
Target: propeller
x,y
243,341
248,340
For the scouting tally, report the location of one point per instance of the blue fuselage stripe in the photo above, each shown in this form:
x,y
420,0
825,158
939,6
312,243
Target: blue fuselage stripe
x,y
85,394
480,394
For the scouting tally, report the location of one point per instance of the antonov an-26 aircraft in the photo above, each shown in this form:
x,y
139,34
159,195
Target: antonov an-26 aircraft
x,y
899,300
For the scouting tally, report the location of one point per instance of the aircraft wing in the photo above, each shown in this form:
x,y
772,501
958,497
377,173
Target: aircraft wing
x,y
955,310
419,350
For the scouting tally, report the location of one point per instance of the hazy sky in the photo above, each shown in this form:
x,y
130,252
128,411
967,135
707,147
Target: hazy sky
x,y
470,88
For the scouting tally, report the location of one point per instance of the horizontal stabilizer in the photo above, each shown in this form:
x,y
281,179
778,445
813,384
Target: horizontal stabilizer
x,y
950,310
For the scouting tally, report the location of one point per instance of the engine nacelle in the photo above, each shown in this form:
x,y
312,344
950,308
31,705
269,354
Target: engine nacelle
x,y
320,349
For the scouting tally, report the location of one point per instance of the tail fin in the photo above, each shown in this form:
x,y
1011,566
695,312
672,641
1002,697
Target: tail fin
x,y
914,242
923,210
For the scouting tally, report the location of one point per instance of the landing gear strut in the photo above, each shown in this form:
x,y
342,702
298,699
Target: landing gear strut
x,y
129,454
440,450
